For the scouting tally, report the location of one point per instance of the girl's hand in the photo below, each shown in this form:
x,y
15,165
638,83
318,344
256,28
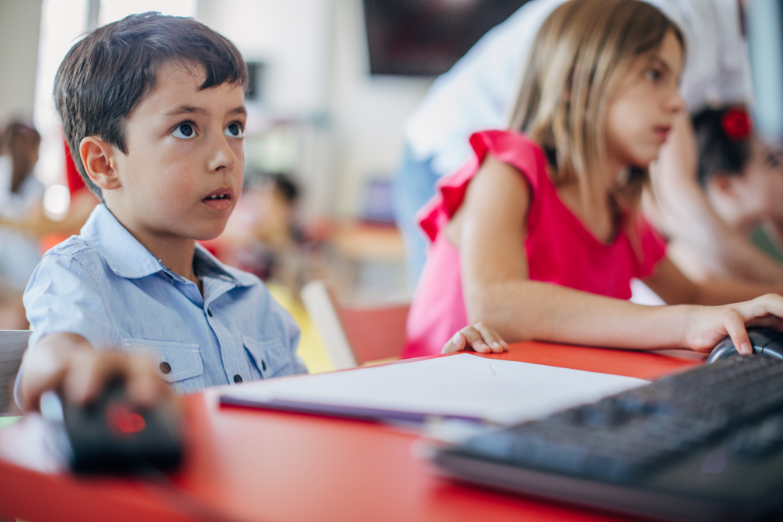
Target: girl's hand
x,y
480,337
708,325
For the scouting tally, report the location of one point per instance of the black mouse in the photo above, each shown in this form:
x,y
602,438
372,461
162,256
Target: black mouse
x,y
112,435
765,341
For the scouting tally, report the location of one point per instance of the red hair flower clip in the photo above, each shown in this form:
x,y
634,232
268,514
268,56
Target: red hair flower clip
x,y
736,124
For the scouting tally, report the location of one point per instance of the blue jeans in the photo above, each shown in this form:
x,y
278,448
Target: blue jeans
x,y
414,185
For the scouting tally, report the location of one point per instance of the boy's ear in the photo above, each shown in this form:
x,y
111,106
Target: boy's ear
x,y
99,163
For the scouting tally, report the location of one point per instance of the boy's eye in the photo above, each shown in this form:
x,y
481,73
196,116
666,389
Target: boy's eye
x,y
184,131
234,130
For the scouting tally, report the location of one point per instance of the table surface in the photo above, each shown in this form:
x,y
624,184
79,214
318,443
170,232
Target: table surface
x,y
245,465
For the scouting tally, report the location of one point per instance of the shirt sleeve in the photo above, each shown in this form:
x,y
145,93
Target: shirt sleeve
x,y
63,296
66,295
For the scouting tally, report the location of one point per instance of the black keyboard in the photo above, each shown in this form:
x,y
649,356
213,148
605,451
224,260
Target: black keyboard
x,y
705,444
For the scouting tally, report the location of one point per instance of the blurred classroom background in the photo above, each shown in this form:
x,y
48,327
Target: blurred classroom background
x,y
332,84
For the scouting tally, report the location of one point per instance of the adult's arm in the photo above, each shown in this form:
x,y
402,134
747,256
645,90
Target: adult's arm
x,y
682,211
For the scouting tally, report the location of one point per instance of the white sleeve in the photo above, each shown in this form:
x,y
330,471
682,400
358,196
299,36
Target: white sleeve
x,y
476,92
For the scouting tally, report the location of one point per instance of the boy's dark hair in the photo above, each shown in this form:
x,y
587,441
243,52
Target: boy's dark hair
x,y
721,150
108,73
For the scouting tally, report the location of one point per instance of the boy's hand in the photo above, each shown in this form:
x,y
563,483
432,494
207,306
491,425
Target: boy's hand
x,y
708,325
480,337
70,363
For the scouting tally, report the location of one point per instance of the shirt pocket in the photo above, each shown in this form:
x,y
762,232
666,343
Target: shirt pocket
x,y
271,357
175,362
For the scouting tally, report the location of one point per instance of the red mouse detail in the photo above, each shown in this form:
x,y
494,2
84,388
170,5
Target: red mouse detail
x,y
123,420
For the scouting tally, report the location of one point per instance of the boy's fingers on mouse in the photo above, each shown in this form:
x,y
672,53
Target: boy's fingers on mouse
x,y
89,371
39,378
144,384
78,377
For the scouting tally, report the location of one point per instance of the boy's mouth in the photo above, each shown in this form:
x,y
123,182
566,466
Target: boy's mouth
x,y
220,199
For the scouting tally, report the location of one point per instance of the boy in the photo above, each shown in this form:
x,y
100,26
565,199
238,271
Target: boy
x,y
153,111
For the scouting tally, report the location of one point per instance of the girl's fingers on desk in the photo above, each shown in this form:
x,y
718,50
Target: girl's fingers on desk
x,y
480,337
455,344
491,338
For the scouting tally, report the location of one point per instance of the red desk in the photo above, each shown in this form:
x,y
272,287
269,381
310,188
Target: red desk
x,y
267,466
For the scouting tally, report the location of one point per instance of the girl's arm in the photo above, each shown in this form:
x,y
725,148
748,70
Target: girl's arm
x,y
497,291
675,288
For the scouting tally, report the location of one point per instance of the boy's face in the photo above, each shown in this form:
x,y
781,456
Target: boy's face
x,y
183,171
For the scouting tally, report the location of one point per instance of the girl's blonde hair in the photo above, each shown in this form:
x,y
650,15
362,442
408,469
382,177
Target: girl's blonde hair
x,y
580,55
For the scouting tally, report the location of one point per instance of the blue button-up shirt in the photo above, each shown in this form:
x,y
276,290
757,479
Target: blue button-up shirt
x,y
107,287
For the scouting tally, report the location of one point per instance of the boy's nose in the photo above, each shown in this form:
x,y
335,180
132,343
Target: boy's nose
x,y
223,156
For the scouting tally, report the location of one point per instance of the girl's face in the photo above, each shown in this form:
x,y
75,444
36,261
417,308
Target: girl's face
x,y
641,113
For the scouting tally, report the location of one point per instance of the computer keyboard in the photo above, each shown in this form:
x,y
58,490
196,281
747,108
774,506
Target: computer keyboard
x,y
705,444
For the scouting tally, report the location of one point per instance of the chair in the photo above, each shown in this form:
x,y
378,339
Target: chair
x,y
354,335
13,343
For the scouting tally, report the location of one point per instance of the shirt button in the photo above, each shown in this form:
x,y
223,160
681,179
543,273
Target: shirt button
x,y
209,312
165,367
237,378
263,364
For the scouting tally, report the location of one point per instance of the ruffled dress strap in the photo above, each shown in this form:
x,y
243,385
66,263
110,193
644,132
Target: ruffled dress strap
x,y
510,147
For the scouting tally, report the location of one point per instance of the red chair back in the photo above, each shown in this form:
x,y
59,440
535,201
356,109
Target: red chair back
x,y
374,333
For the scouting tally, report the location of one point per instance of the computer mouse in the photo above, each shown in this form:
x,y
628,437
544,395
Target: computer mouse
x,y
112,435
765,341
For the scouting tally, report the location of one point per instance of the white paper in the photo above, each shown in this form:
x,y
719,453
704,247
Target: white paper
x,y
503,392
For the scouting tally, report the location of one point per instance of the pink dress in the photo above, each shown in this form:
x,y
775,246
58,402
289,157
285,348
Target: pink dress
x,y
559,248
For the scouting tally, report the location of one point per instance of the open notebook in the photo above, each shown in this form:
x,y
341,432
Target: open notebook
x,y
462,386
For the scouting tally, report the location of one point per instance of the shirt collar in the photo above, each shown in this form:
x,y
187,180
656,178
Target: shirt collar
x,y
130,259
207,265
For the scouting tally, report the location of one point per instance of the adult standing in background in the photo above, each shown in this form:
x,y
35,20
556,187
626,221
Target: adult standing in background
x,y
477,94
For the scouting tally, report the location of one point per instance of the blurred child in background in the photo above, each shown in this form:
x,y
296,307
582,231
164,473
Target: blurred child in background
x,y
263,236
20,198
742,177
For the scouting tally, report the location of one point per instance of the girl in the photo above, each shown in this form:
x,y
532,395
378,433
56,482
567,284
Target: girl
x,y
540,234
743,179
